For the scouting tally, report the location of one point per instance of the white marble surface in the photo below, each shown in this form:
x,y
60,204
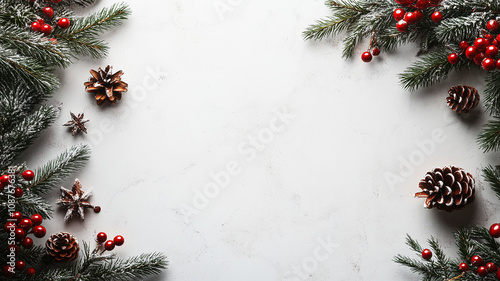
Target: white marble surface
x,y
309,139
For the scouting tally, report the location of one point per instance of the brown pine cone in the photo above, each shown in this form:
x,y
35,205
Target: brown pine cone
x,y
106,85
462,99
62,247
449,188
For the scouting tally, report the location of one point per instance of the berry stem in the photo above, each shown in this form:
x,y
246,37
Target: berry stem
x,y
457,277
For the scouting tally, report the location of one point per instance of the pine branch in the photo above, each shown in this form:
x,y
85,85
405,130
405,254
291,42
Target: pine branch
x,y
492,93
489,138
57,170
28,205
492,175
460,28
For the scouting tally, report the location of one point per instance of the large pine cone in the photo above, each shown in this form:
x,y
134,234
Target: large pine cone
x,y
462,99
449,188
106,85
62,247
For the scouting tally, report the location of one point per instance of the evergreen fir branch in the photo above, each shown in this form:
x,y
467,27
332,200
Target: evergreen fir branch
x,y
57,170
441,261
23,134
413,244
29,204
460,28
87,46
486,245
492,175
489,138
414,265
430,69
463,242
329,26
492,93
133,268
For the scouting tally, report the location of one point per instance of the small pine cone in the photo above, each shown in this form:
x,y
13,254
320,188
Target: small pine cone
x,y
462,99
449,188
62,247
106,85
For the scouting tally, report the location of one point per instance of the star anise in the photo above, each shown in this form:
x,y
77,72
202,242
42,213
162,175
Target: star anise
x,y
76,200
77,123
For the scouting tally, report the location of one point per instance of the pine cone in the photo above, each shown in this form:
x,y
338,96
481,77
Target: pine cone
x,y
105,85
462,99
62,247
449,188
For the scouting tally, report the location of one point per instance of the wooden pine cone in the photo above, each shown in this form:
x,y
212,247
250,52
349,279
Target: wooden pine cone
x,y
62,247
462,99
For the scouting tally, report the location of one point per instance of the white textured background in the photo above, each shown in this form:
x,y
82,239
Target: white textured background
x,y
203,83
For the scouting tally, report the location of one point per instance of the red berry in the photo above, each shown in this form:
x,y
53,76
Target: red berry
x,y
101,237
26,224
410,18
426,254
418,14
63,23
498,67
18,192
118,240
27,243
478,59
97,209
41,22
35,26
109,245
437,16
28,175
46,29
489,64
476,260
402,26
10,226
492,25
405,2
495,230
471,52
20,265
398,14
30,271
489,37
463,267
498,274
36,219
8,271
20,234
463,45
366,57
17,216
422,4
453,58
492,267
48,12
5,180
481,43
482,271
376,51
39,231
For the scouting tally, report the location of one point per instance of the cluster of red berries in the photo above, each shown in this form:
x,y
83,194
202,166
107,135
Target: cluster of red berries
x,y
41,26
5,180
19,228
109,245
367,56
415,13
483,51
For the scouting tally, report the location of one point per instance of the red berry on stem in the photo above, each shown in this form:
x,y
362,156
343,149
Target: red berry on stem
x,y
10,226
418,14
453,58
118,240
20,234
109,245
46,29
482,271
471,52
48,12
18,192
8,271
36,219
398,14
410,18
366,57
498,64
63,23
97,209
489,64
495,230
489,37
28,175
30,271
101,237
27,243
437,17
41,22
39,231
491,51
426,254
492,267
492,25
402,26
17,216
20,265
463,45
35,26
376,51
26,224
422,4
463,267
478,59
5,180
476,260
481,43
